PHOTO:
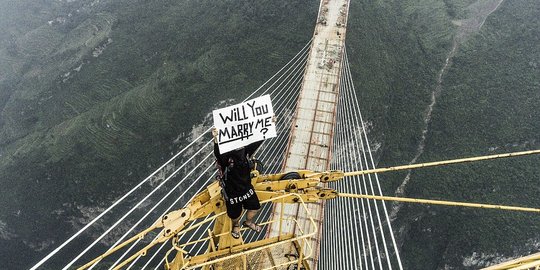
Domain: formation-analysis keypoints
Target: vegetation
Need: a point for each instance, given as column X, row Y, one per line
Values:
column 396, row 50
column 488, row 106
column 94, row 95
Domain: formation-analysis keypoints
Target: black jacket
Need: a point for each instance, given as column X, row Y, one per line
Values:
column 238, row 179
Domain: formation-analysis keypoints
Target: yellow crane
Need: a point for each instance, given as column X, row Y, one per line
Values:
column 225, row 252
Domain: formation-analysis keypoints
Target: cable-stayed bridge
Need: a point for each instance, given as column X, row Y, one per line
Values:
column 320, row 128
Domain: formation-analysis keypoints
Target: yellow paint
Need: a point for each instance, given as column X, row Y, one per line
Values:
column 439, row 202
column 209, row 205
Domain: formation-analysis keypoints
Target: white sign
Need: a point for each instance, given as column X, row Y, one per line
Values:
column 244, row 123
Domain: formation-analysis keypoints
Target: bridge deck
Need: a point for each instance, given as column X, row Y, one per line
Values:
column 310, row 141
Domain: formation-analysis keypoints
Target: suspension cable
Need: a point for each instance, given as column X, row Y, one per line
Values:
column 440, row 202
column 295, row 59
column 445, row 162
column 287, row 98
column 355, row 111
column 196, row 232
column 291, row 82
column 355, row 149
column 371, row 205
column 79, row 232
column 161, row 201
column 337, row 230
column 364, row 131
column 304, row 48
column 125, row 215
column 351, row 161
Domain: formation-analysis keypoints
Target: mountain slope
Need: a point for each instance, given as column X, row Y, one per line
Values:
column 94, row 94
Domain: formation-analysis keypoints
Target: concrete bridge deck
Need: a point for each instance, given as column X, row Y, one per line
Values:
column 310, row 142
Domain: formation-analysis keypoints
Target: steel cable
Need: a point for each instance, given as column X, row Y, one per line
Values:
column 302, row 52
column 360, row 122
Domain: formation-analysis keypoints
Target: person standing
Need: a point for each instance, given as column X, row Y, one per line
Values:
column 237, row 190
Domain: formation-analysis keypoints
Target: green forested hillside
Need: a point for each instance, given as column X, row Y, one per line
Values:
column 489, row 105
column 95, row 95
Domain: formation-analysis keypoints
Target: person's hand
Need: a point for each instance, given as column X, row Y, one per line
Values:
column 215, row 134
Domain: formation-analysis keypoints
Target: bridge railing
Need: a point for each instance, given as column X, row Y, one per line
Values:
column 270, row 253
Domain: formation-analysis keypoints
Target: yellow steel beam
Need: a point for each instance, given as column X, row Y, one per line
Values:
column 243, row 249
column 526, row 262
column 278, row 176
column 271, row 187
column 445, row 162
column 237, row 250
column 141, row 252
column 120, row 246
column 203, row 204
column 532, row 265
column 327, row 176
column 439, row 202
column 287, row 185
